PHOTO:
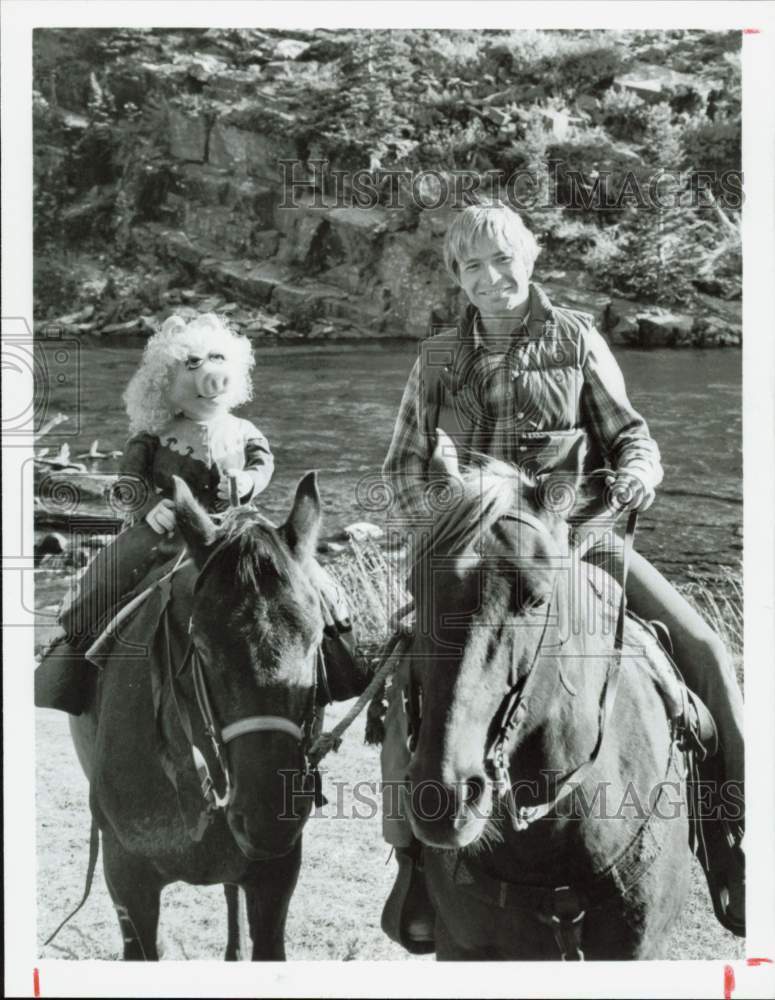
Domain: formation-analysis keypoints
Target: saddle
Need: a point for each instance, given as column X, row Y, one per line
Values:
column 715, row 824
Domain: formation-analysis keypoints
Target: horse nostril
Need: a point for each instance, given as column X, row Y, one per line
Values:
column 472, row 791
column 238, row 825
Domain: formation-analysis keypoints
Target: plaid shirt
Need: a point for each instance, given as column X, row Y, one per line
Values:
column 553, row 394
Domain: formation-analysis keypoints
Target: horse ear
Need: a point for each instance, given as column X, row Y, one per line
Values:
column 303, row 524
column 443, row 461
column 198, row 530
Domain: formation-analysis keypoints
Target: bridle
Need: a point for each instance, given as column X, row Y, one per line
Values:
column 562, row 908
column 219, row 737
column 515, row 706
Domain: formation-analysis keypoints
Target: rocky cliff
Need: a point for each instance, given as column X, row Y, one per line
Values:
column 206, row 153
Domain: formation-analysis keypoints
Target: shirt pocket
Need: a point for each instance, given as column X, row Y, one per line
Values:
column 545, row 399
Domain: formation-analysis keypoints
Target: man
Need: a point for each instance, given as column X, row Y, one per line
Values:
column 537, row 386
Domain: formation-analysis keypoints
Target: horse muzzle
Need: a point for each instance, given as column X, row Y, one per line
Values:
column 449, row 815
column 258, row 845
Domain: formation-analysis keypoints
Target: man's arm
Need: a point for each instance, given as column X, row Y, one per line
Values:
column 619, row 428
column 406, row 464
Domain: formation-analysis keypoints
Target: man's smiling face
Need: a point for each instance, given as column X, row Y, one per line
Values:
column 494, row 277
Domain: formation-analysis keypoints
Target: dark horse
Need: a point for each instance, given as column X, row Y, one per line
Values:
column 512, row 688
column 247, row 611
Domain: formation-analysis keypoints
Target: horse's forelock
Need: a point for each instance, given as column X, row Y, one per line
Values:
column 262, row 554
column 252, row 549
column 490, row 490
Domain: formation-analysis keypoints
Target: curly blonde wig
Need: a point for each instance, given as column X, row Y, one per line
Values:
column 147, row 395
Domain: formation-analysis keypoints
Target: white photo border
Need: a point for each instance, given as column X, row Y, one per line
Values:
column 363, row 978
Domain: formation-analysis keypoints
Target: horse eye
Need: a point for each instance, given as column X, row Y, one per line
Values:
column 525, row 598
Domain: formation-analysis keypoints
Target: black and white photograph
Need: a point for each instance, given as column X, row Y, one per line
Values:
column 383, row 585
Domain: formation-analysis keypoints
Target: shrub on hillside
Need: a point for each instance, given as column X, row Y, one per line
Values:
column 54, row 289
column 713, row 146
column 623, row 114
column 593, row 174
column 590, row 69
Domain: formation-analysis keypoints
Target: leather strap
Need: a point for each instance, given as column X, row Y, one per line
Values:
column 261, row 724
column 614, row 880
column 94, row 850
column 529, row 814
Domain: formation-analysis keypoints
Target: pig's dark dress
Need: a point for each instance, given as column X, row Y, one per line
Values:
column 197, row 452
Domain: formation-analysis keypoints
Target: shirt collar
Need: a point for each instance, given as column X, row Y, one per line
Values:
column 539, row 313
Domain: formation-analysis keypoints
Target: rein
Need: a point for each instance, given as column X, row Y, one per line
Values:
column 220, row 736
column 517, row 702
column 562, row 908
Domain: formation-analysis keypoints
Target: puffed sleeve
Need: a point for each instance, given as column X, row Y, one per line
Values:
column 133, row 492
column 259, row 462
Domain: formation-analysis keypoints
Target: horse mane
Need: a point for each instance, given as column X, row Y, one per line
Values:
column 486, row 492
column 252, row 549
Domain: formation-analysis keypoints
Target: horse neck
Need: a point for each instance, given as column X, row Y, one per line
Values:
column 561, row 731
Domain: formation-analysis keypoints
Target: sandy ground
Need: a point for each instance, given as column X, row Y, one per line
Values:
column 335, row 911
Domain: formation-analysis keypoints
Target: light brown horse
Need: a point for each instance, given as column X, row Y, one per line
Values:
column 533, row 853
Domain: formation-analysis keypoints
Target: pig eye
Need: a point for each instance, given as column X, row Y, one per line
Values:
column 217, row 357
column 193, row 362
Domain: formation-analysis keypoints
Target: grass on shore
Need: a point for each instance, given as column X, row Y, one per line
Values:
column 375, row 585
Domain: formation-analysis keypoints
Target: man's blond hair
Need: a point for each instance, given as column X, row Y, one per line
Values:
column 497, row 220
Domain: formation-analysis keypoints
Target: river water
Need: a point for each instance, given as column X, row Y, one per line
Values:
column 332, row 408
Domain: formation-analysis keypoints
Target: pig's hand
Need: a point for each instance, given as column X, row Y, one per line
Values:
column 244, row 485
column 162, row 517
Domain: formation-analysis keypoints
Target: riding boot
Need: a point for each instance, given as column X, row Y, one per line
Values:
column 408, row 917
column 63, row 678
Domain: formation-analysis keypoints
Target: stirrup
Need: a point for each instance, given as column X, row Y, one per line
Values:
column 727, row 869
column 408, row 908
column 716, row 840
column 697, row 731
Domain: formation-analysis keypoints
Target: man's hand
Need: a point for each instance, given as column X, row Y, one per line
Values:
column 244, row 484
column 626, row 491
column 162, row 517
